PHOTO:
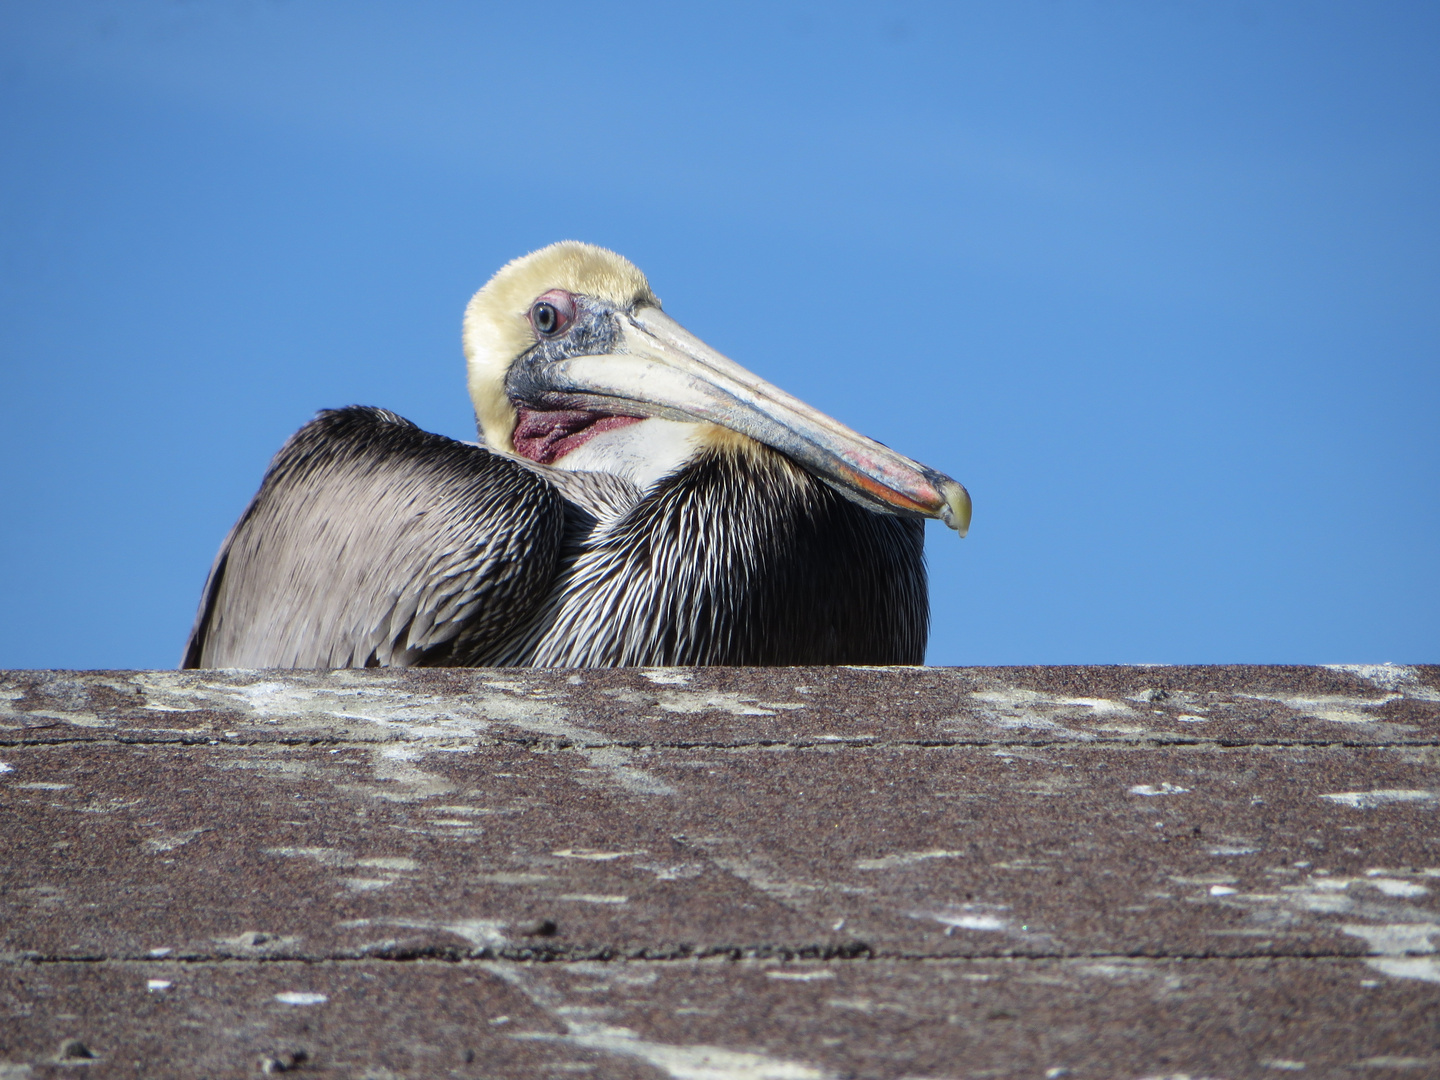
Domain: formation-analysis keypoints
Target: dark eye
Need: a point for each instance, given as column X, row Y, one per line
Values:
column 552, row 313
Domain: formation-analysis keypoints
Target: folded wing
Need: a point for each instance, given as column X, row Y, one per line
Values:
column 374, row 543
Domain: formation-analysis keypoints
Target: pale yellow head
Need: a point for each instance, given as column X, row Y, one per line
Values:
column 657, row 373
column 497, row 328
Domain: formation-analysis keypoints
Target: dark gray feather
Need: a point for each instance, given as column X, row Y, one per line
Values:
column 372, row 542
column 738, row 558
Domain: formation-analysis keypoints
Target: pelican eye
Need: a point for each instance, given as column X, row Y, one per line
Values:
column 552, row 313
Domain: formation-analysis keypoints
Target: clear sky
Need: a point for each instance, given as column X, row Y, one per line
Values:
column 1159, row 282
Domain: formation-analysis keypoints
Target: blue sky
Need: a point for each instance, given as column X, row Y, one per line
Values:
column 1159, row 282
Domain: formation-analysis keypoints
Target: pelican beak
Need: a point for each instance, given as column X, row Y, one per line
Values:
column 658, row 368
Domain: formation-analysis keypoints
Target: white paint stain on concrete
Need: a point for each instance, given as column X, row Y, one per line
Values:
column 689, row 702
column 869, row 1006
column 370, row 708
column 1395, row 887
column 398, row 864
column 585, row 1028
column 1369, row 800
column 687, row 1062
column 1031, row 866
column 482, row 933
column 1396, row 939
column 1014, row 709
column 398, row 779
column 1400, row 937
column 1029, row 700
column 1414, row 871
column 477, row 811
column 159, row 844
column 1332, row 708
column 614, row 763
column 1395, row 678
column 392, row 867
column 1396, row 1061
column 300, row 997
column 343, row 698
column 906, row 858
column 1203, row 879
column 359, row 884
column 673, row 871
column 506, row 877
column 1403, row 949
column 324, row 856
column 417, row 715
column 1121, row 969
column 593, row 855
column 64, row 691
column 1422, row 968
column 260, row 941
column 1156, row 695
column 1163, row 788
column 762, row 873
column 1324, row 894
column 1395, row 682
column 981, row 917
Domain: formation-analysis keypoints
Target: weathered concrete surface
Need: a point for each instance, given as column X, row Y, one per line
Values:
column 713, row 1019
column 734, row 873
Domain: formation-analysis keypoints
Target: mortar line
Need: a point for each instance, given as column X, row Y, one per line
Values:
column 717, row 954
column 558, row 745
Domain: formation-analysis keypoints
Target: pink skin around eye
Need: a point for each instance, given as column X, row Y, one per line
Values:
column 564, row 305
column 547, row 435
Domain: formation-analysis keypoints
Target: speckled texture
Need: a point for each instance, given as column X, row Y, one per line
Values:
column 731, row 873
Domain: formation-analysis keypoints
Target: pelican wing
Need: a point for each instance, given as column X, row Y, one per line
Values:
column 374, row 543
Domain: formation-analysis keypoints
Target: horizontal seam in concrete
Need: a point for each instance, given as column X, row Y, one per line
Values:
column 615, row 956
column 819, row 744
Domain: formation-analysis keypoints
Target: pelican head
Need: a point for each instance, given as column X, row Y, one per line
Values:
column 572, row 363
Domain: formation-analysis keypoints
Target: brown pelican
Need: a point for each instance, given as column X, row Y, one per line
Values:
column 637, row 498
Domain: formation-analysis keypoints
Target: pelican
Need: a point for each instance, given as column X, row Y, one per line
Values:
column 636, row 498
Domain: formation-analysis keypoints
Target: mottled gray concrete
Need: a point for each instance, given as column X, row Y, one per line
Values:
column 760, row 873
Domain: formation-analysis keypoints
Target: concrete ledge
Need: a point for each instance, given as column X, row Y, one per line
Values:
column 1080, row 872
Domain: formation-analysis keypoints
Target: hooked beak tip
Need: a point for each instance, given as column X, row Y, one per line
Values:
column 956, row 511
